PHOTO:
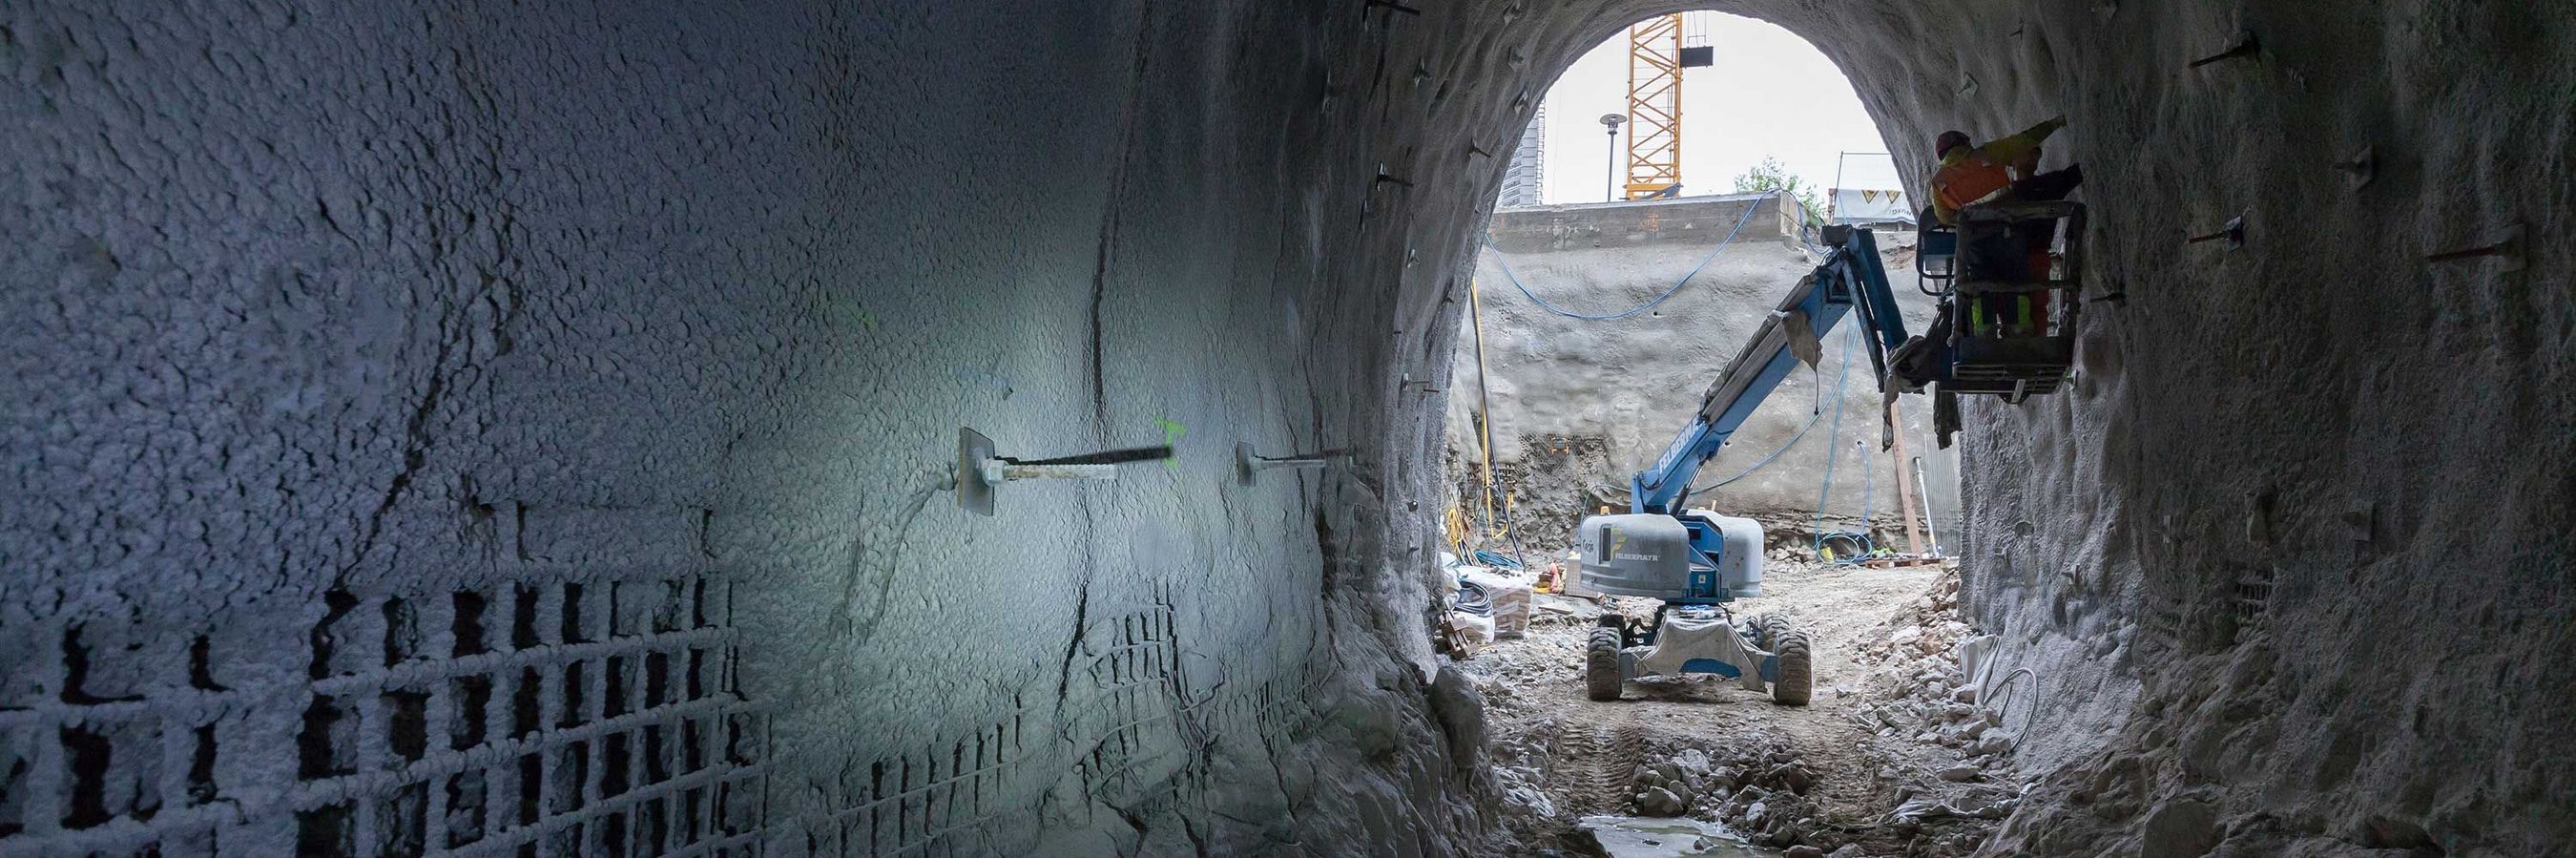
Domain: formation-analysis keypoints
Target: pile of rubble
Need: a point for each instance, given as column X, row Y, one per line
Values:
column 1764, row 795
column 1761, row 791
column 1921, row 688
column 1925, row 691
column 1768, row 796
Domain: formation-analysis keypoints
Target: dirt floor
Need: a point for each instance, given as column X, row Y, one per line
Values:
column 1889, row 759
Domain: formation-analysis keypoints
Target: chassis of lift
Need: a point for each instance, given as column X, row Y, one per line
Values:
column 1767, row 654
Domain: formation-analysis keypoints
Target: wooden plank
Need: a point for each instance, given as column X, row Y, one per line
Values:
column 1904, row 487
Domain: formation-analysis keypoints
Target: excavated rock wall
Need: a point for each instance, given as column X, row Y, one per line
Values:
column 433, row 423
column 2287, row 564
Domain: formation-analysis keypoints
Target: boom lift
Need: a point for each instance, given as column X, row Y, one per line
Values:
column 2007, row 282
column 1697, row 561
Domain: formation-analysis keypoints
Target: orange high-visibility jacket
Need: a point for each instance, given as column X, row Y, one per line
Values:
column 1972, row 174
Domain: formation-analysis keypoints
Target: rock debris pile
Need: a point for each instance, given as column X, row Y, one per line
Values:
column 1919, row 693
column 1900, row 758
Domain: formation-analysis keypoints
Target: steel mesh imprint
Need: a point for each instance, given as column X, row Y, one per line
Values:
column 593, row 718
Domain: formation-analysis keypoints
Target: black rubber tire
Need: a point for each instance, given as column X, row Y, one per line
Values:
column 1617, row 624
column 1601, row 679
column 1767, row 630
column 1797, row 670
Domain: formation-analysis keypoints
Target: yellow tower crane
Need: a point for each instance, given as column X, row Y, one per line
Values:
column 1655, row 107
column 1657, row 57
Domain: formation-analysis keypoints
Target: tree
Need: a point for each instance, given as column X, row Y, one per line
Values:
column 1771, row 175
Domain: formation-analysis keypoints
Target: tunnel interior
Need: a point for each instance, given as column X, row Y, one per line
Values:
column 441, row 427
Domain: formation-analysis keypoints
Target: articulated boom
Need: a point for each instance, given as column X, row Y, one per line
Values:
column 1696, row 561
column 1659, row 550
column 1851, row 276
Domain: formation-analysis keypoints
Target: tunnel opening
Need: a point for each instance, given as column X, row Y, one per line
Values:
column 1570, row 291
column 344, row 331
column 1595, row 330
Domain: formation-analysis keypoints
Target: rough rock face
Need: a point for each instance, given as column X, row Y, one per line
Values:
column 2311, row 495
column 434, row 423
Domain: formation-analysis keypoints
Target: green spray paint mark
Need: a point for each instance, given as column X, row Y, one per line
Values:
column 1172, row 432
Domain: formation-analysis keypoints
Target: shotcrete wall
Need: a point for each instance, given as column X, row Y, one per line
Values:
column 451, row 425
column 1579, row 405
column 439, row 424
column 2286, row 568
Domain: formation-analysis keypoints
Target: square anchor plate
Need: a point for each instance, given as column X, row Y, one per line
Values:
column 973, row 449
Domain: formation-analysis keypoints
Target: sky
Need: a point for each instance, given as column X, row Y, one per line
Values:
column 1771, row 93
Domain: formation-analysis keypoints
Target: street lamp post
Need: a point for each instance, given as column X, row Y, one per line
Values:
column 1610, row 182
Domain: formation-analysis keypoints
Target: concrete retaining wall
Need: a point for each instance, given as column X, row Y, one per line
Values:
column 1580, row 403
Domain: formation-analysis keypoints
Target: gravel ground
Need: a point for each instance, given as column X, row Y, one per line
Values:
column 1890, row 758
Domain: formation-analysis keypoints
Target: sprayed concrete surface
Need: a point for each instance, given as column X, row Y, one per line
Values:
column 435, row 425
column 1579, row 405
column 438, row 425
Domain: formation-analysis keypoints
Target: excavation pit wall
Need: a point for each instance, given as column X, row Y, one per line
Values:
column 343, row 337
column 1579, row 405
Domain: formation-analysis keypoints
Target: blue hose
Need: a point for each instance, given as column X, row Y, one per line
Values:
column 1833, row 447
column 1833, row 450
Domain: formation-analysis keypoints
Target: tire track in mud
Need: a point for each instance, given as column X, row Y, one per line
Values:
column 1595, row 764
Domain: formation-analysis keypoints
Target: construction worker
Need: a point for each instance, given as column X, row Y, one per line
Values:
column 2036, row 238
column 1977, row 174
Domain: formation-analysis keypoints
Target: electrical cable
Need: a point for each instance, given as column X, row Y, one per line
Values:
column 1859, row 546
column 1985, row 695
column 1868, row 487
column 1815, row 412
column 1833, row 449
column 1868, row 494
column 1860, row 542
column 1512, row 527
column 1472, row 599
column 1485, row 420
column 1508, row 274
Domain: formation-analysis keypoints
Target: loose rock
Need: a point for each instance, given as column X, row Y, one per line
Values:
column 1995, row 743
column 1658, row 801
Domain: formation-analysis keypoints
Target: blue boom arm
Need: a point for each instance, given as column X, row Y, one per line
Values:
column 1851, row 277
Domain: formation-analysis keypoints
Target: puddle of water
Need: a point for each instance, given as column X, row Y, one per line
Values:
column 1644, row 837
